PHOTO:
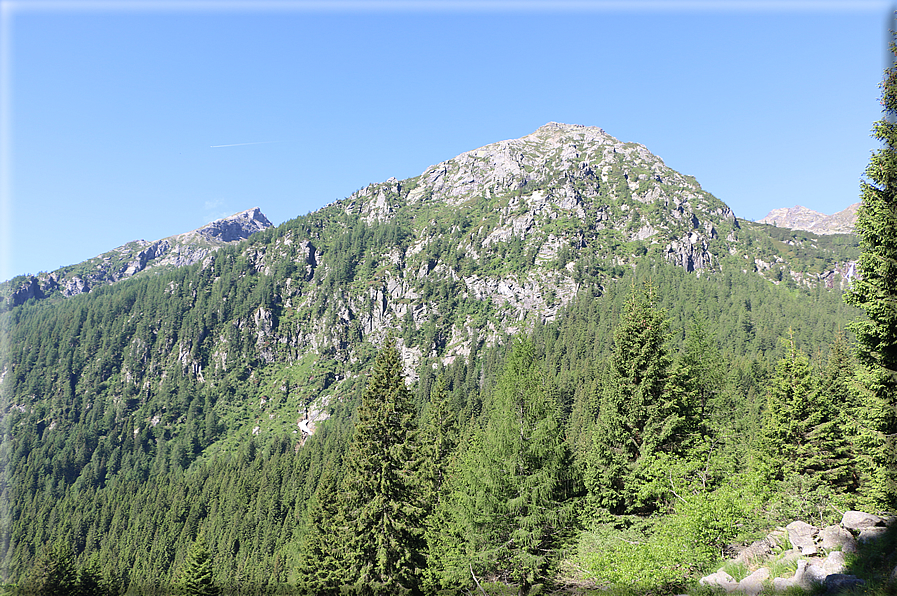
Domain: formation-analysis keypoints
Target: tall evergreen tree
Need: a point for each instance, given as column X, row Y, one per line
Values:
column 790, row 416
column 837, row 464
column 803, row 426
column 320, row 569
column 53, row 573
column 195, row 577
column 700, row 373
column 381, row 497
column 875, row 291
column 637, row 415
column 439, row 437
column 508, row 507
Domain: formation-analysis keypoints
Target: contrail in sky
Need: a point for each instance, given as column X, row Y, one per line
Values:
column 239, row 144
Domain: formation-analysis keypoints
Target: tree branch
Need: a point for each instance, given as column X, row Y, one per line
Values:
column 476, row 580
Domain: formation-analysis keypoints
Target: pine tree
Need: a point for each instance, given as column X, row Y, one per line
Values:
column 637, row 415
column 381, row 497
column 53, row 573
column 508, row 507
column 195, row 577
column 790, row 416
column 439, row 437
column 320, row 569
column 875, row 291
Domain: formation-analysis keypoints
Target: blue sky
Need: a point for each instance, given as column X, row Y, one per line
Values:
column 114, row 113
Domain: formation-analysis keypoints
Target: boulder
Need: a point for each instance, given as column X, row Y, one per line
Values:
column 777, row 538
column 857, row 520
column 805, row 577
column 753, row 584
column 801, row 535
column 837, row 538
column 720, row 579
column 757, row 551
column 837, row 583
column 782, row 583
column 834, row 563
column 815, row 572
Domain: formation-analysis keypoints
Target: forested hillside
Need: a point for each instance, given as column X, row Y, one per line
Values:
column 508, row 370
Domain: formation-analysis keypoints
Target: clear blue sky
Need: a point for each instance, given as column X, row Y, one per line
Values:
column 112, row 111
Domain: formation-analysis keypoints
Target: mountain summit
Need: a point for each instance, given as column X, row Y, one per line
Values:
column 801, row 218
column 226, row 367
column 132, row 258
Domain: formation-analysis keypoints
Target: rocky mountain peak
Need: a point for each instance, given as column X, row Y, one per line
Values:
column 132, row 258
column 235, row 227
column 802, row 218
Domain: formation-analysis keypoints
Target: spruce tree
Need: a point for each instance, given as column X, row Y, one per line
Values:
column 90, row 580
column 195, row 577
column 508, row 508
column 53, row 573
column 700, row 374
column 837, row 464
column 875, row 291
column 806, row 419
column 637, row 415
column 320, row 570
column 439, row 437
column 381, row 496
column 790, row 416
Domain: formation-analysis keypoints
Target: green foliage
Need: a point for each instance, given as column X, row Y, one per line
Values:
column 667, row 552
column 439, row 438
column 54, row 573
column 637, row 416
column 148, row 413
column 320, row 570
column 507, row 504
column 381, row 508
column 875, row 291
column 790, row 417
column 196, row 574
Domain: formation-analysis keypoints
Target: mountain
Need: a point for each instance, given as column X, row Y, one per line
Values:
column 801, row 218
column 137, row 256
column 206, row 398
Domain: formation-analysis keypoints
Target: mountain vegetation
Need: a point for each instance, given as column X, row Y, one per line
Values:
column 552, row 362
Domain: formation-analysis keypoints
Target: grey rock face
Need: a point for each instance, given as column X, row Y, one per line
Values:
column 836, row 537
column 239, row 226
column 857, row 520
column 801, row 218
column 28, row 290
column 801, row 535
column 128, row 260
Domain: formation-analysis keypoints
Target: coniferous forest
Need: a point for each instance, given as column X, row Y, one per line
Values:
column 627, row 444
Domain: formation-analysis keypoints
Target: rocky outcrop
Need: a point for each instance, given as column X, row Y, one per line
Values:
column 801, row 218
column 132, row 258
column 816, row 556
column 690, row 252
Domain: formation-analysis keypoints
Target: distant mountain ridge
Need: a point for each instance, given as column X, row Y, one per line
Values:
column 802, row 218
column 229, row 365
column 137, row 256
